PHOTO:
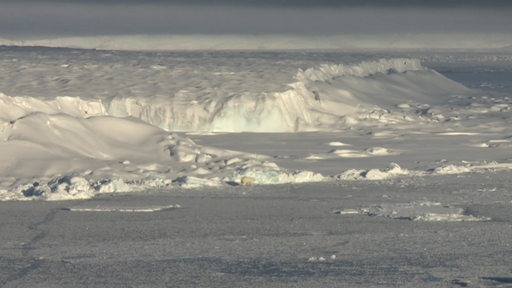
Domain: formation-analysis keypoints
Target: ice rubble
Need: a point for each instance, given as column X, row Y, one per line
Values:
column 393, row 170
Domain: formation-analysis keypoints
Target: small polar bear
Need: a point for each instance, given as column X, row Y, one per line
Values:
column 247, row 181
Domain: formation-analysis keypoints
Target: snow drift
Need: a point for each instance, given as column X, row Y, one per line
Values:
column 59, row 156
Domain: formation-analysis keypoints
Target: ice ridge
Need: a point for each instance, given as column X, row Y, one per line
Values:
column 323, row 98
column 367, row 68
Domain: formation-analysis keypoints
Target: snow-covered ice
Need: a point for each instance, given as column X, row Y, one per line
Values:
column 255, row 168
column 75, row 123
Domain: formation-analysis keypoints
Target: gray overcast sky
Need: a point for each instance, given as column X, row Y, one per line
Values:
column 309, row 3
column 31, row 18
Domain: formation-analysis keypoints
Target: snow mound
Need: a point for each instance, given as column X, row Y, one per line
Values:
column 274, row 175
column 338, row 144
column 60, row 157
column 379, row 151
column 451, row 169
column 84, row 187
column 470, row 166
column 68, row 188
column 352, row 153
column 192, row 182
column 393, row 170
column 497, row 143
column 265, row 173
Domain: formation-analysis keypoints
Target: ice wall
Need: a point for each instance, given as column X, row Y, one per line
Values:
column 323, row 98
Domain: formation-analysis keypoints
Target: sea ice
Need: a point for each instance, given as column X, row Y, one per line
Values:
column 63, row 138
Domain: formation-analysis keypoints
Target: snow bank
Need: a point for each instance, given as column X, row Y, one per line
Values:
column 59, row 156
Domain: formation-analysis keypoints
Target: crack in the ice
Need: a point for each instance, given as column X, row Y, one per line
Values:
column 35, row 262
column 26, row 247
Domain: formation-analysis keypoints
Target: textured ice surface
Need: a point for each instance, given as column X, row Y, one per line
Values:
column 75, row 123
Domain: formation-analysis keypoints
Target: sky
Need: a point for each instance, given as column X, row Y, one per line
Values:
column 288, row 3
column 62, row 18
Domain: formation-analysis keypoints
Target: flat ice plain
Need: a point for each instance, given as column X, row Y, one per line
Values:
column 372, row 169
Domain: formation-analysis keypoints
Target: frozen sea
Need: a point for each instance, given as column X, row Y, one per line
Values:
column 367, row 169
